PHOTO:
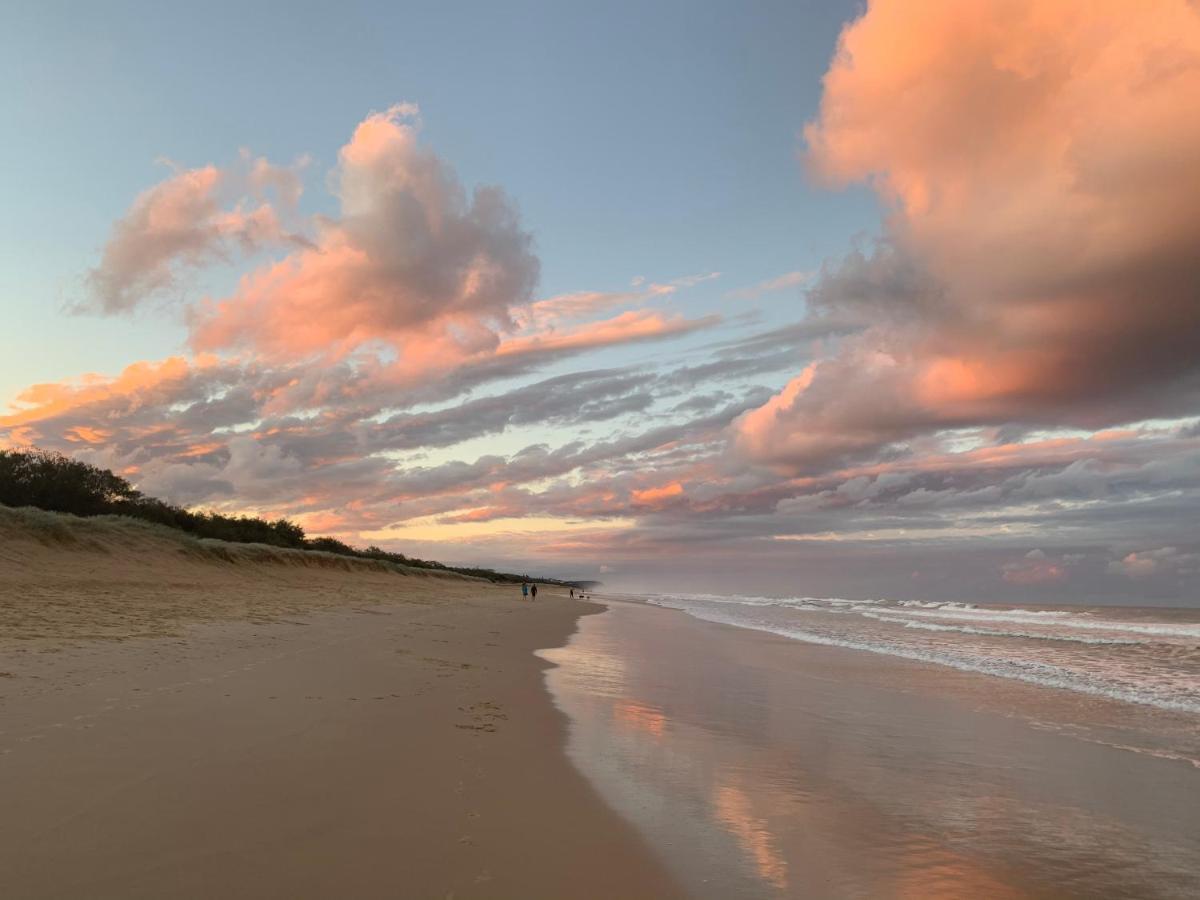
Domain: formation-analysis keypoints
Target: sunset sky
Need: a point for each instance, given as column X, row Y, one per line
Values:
column 890, row 299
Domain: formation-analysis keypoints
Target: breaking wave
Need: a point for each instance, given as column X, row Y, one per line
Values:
column 1147, row 657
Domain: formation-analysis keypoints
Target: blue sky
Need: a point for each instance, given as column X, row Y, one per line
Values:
column 658, row 140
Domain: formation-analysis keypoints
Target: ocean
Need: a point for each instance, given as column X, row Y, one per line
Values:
column 1141, row 655
column 823, row 747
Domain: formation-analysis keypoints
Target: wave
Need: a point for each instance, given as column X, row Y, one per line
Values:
column 1057, row 619
column 994, row 632
column 1043, row 674
column 966, row 612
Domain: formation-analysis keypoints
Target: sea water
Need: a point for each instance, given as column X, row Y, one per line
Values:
column 1138, row 655
column 829, row 747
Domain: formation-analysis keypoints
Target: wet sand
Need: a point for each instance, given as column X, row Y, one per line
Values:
column 759, row 766
column 331, row 733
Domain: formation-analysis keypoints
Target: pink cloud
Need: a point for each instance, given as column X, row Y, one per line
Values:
column 412, row 259
column 635, row 325
column 1164, row 560
column 548, row 313
column 195, row 217
column 1035, row 568
column 1039, row 163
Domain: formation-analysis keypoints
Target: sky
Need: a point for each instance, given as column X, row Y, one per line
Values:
column 896, row 299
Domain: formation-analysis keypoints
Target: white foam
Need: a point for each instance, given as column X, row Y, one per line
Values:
column 1058, row 619
column 1170, row 697
column 962, row 612
column 995, row 632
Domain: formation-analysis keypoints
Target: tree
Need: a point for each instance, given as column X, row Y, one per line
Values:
column 56, row 482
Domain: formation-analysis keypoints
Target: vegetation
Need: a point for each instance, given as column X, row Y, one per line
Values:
column 55, row 482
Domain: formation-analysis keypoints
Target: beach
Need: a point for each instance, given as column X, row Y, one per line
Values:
column 194, row 720
column 175, row 726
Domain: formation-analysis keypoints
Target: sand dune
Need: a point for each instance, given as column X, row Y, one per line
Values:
column 66, row 578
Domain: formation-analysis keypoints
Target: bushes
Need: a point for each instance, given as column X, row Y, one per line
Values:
column 58, row 483
column 333, row 545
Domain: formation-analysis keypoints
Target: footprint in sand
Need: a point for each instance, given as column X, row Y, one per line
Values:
column 446, row 663
column 484, row 716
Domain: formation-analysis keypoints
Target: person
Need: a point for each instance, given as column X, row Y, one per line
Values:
column 525, row 589
column 572, row 593
column 533, row 591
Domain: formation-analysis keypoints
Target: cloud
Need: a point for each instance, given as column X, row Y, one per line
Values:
column 770, row 286
column 693, row 280
column 655, row 496
column 1035, row 568
column 413, row 261
column 300, row 381
column 565, row 400
column 1039, row 165
column 632, row 326
column 344, row 383
column 1144, row 563
column 546, row 314
column 190, row 220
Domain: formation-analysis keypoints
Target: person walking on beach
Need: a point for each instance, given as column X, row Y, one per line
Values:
column 533, row 591
column 525, row 589
column 572, row 593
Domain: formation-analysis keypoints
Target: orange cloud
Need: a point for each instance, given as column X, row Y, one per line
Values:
column 548, row 313
column 88, row 435
column 139, row 382
column 629, row 326
column 656, row 495
column 412, row 260
column 1040, row 165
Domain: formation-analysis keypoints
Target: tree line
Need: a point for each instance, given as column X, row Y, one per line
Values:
column 55, row 482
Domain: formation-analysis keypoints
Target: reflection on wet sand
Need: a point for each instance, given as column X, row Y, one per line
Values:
column 733, row 808
column 934, row 873
column 631, row 714
column 759, row 767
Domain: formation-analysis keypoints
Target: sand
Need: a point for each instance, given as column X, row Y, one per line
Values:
column 192, row 720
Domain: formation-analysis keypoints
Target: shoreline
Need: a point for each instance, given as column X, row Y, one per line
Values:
column 759, row 765
column 338, row 747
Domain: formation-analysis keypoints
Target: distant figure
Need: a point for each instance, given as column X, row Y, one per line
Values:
column 533, row 590
column 572, row 593
column 525, row 589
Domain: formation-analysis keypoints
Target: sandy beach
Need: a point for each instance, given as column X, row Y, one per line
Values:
column 195, row 720
column 188, row 721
